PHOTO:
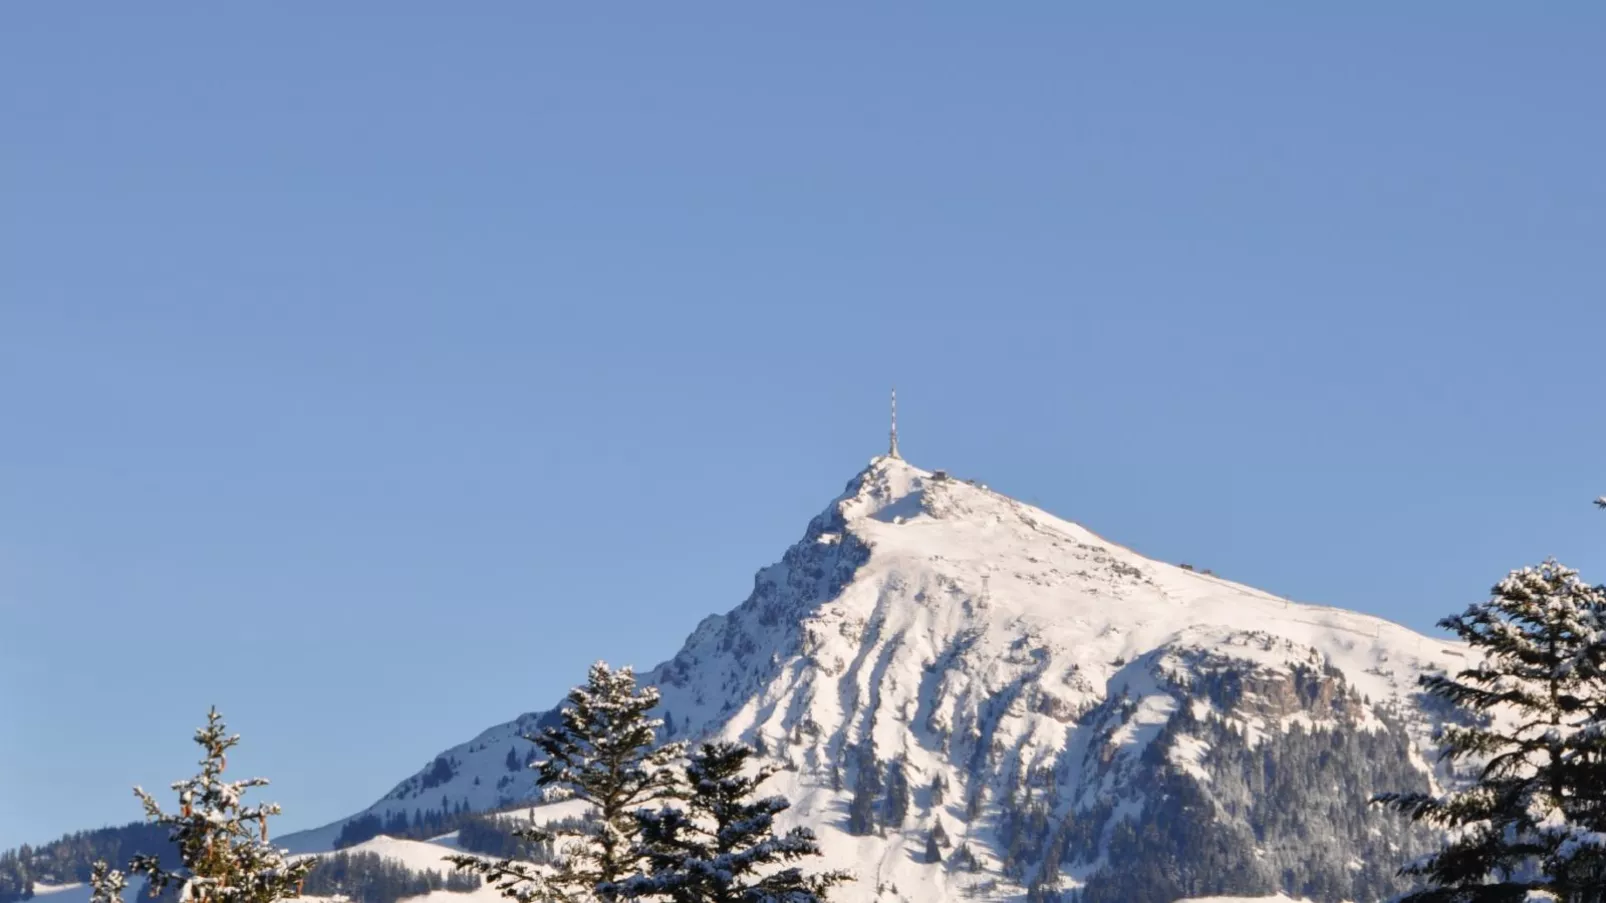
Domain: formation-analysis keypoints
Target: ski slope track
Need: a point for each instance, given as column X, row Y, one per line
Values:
column 1084, row 721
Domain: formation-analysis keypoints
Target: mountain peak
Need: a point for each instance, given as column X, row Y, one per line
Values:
column 887, row 484
column 987, row 646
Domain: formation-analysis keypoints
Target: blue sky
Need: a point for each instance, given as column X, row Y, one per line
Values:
column 369, row 372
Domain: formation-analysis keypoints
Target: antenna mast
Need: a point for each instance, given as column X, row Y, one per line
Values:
column 892, row 452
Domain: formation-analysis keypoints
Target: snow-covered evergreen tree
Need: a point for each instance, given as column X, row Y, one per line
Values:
column 604, row 752
column 1531, row 822
column 222, row 843
column 106, row 884
column 723, row 846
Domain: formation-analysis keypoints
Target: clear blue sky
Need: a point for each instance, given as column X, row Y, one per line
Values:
column 367, row 372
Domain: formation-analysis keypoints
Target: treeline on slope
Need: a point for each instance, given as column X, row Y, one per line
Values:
column 368, row 877
column 69, row 858
column 510, row 838
column 424, row 824
column 500, row 832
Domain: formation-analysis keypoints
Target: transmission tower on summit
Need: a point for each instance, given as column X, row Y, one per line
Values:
column 892, row 452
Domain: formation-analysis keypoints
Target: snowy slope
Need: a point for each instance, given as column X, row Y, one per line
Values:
column 417, row 855
column 79, row 893
column 1008, row 654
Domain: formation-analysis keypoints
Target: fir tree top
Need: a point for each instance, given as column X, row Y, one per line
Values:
column 223, row 843
column 1534, row 706
column 603, row 752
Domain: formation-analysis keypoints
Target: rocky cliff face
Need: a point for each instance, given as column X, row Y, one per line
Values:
column 945, row 671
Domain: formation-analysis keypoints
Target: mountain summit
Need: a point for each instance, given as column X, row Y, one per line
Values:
column 971, row 696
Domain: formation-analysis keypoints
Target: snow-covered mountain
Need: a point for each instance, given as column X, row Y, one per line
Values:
column 1078, row 719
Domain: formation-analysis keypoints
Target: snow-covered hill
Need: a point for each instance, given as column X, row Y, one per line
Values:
column 1078, row 718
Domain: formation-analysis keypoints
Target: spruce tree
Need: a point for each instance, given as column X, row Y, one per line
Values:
column 602, row 752
column 895, row 808
column 223, row 845
column 1533, row 724
column 723, row 847
column 867, row 787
